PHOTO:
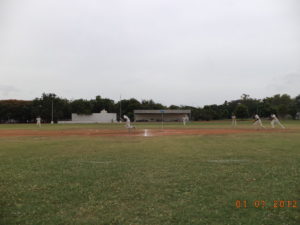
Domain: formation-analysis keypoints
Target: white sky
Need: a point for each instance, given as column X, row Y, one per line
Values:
column 189, row 52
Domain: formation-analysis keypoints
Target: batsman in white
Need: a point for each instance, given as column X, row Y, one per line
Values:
column 38, row 121
column 275, row 120
column 128, row 125
column 258, row 122
column 233, row 118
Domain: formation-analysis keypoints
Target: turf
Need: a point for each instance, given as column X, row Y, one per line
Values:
column 194, row 179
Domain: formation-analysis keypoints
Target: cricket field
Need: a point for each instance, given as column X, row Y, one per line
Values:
column 201, row 173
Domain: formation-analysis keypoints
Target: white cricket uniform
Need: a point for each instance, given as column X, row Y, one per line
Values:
column 184, row 120
column 258, row 122
column 275, row 120
column 128, row 125
column 233, row 118
column 38, row 121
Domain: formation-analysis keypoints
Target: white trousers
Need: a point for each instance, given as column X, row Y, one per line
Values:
column 258, row 123
column 233, row 123
column 276, row 121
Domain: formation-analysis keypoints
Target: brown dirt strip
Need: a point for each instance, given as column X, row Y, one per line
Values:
column 137, row 132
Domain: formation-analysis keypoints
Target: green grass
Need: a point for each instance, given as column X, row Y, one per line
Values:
column 242, row 124
column 155, row 180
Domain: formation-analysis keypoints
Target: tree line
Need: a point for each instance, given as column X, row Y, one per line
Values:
column 20, row 111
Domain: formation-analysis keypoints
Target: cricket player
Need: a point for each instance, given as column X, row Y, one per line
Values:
column 233, row 118
column 258, row 122
column 128, row 125
column 275, row 120
column 38, row 121
column 185, row 119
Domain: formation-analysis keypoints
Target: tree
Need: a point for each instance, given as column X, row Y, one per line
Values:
column 241, row 111
column 81, row 106
column 23, row 111
column 150, row 104
column 15, row 111
column 297, row 103
column 98, row 104
column 128, row 106
column 43, row 107
column 174, row 107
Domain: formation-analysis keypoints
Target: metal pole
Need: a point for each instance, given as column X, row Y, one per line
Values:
column 120, row 107
column 52, row 112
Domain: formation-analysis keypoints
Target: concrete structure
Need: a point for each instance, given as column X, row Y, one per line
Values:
column 102, row 117
column 297, row 116
column 157, row 115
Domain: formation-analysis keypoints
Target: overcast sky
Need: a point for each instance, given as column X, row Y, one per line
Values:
column 189, row 52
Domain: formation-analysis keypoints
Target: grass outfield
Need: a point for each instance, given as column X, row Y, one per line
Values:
column 245, row 124
column 187, row 179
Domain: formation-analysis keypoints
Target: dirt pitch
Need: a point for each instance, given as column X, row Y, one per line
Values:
column 133, row 132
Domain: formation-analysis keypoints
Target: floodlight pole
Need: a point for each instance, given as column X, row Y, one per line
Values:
column 120, row 107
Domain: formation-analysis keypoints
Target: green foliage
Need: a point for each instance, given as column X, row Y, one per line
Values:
column 15, row 110
column 241, row 111
column 23, row 111
column 43, row 107
column 81, row 106
column 98, row 104
column 150, row 104
column 297, row 103
column 174, row 107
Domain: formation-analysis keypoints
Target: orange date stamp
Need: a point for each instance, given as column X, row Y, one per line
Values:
column 239, row 204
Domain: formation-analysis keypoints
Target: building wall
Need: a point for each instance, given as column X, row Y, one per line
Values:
column 95, row 117
column 102, row 117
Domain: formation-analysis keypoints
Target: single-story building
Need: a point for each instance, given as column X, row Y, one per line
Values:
column 102, row 117
column 167, row 115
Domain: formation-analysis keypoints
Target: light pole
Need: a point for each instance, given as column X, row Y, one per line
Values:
column 120, row 108
column 52, row 112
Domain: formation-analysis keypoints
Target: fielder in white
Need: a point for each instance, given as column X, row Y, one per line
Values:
column 38, row 121
column 258, row 122
column 128, row 125
column 275, row 120
column 233, row 118
column 185, row 119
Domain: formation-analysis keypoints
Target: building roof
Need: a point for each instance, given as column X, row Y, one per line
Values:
column 165, row 111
